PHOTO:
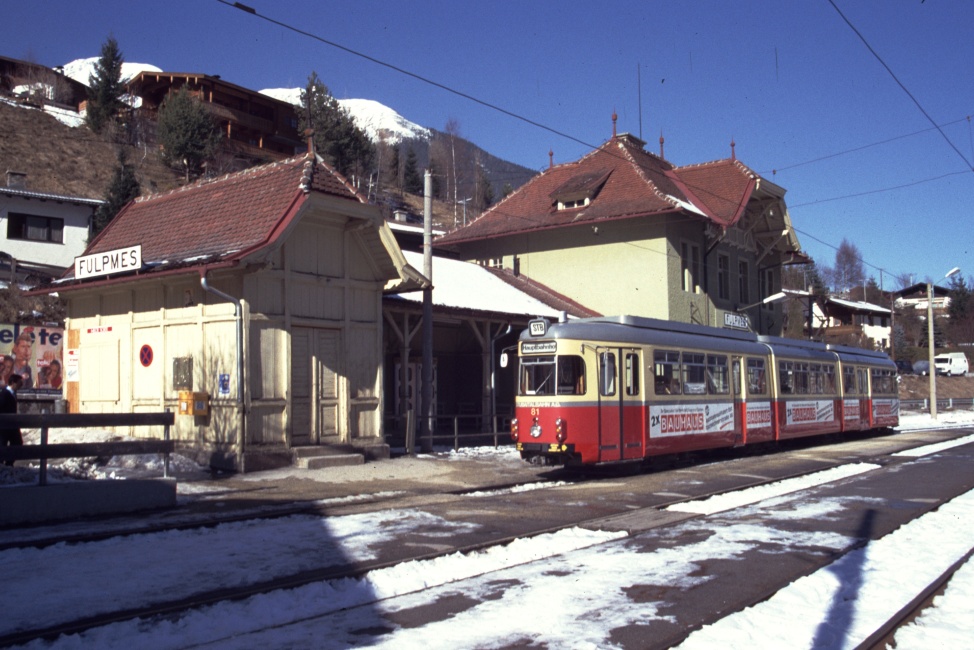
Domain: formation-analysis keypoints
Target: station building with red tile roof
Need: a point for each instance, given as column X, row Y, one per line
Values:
column 262, row 289
column 624, row 231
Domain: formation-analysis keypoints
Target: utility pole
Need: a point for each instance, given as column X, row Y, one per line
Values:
column 426, row 416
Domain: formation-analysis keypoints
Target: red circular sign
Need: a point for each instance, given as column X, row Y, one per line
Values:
column 145, row 356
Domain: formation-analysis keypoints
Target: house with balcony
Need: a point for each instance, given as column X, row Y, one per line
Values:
column 255, row 125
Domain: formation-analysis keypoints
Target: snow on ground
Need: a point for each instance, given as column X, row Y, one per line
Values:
column 508, row 588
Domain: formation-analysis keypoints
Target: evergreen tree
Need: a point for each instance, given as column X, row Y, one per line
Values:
column 105, row 87
column 336, row 137
column 395, row 169
column 485, row 193
column 412, row 182
column 187, row 133
column 123, row 188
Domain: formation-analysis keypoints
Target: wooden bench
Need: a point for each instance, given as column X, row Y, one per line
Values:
column 45, row 451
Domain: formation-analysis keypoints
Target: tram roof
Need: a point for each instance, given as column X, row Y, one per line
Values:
column 653, row 331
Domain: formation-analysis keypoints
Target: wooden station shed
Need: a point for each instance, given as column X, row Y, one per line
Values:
column 250, row 304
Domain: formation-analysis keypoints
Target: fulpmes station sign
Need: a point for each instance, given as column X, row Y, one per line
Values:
column 121, row 260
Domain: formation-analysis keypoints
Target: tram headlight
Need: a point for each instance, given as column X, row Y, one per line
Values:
column 535, row 429
column 514, row 429
column 561, row 430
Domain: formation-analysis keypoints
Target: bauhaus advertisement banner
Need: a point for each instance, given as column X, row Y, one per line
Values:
column 690, row 419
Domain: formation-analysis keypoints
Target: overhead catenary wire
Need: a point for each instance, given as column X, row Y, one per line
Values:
column 537, row 124
column 901, row 85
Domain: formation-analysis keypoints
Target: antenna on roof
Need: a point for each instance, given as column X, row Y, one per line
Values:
column 733, row 155
column 661, row 145
column 551, row 159
column 614, row 118
column 639, row 92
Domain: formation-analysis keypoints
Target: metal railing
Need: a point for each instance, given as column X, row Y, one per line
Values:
column 463, row 428
column 949, row 403
column 46, row 450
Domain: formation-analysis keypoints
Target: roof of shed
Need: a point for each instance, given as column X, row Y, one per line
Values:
column 223, row 219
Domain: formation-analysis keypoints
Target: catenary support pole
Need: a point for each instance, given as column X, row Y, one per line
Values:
column 426, row 421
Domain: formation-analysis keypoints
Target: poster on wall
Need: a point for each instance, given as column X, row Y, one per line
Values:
column 34, row 352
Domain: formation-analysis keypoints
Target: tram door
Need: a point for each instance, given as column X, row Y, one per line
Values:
column 737, row 385
column 621, row 423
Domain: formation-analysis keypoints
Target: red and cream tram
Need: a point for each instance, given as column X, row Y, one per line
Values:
column 602, row 390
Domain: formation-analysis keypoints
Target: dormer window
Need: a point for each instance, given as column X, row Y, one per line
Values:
column 579, row 191
column 577, row 203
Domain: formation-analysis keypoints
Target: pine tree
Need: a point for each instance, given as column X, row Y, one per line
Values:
column 395, row 169
column 187, row 133
column 412, row 182
column 339, row 141
column 105, row 87
column 123, row 188
column 485, row 192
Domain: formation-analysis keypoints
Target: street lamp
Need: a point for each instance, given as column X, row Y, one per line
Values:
column 930, row 344
column 781, row 295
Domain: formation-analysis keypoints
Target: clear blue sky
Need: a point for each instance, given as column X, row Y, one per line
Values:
column 790, row 82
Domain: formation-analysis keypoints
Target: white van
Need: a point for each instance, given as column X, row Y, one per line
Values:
column 951, row 363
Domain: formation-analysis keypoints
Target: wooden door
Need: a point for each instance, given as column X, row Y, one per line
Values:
column 315, row 365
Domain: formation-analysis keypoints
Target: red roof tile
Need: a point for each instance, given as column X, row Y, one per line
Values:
column 637, row 183
column 219, row 219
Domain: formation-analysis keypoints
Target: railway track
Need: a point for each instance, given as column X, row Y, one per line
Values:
column 355, row 570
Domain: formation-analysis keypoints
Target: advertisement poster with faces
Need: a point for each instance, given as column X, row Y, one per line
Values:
column 35, row 352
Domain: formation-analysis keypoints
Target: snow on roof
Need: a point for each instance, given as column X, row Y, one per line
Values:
column 863, row 306
column 464, row 285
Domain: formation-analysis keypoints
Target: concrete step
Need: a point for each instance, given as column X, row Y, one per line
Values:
column 329, row 460
column 312, row 451
column 319, row 456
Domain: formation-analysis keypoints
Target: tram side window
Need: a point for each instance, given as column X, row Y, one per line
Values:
column 757, row 381
column 786, row 375
column 801, row 378
column 862, row 377
column 607, row 373
column 632, row 373
column 666, row 370
column 537, row 376
column 829, row 372
column 816, row 382
column 884, row 382
column 717, row 375
column 571, row 375
column 694, row 374
column 849, row 386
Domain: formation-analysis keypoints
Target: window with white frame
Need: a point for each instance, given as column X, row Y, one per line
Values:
column 34, row 228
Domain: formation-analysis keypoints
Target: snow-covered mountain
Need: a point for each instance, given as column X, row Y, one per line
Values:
column 81, row 69
column 369, row 115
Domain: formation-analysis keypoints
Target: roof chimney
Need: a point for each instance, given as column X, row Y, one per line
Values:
column 614, row 118
column 16, row 180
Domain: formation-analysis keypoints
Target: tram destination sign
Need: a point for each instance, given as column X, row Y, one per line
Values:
column 120, row 260
column 540, row 347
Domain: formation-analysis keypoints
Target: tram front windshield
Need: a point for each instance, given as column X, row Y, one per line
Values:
column 551, row 375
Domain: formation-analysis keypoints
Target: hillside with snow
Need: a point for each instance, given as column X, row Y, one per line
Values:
column 369, row 115
column 81, row 69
